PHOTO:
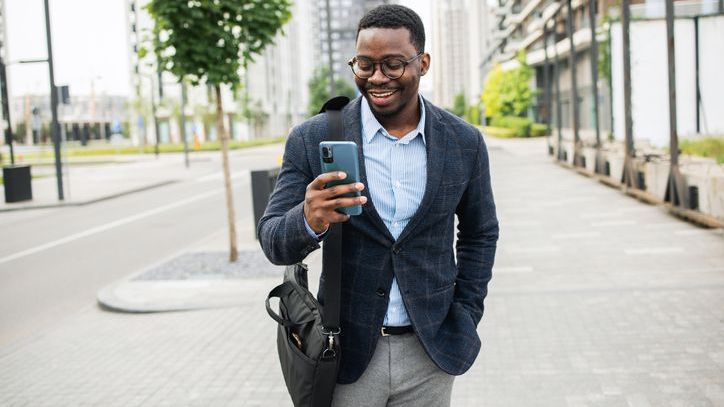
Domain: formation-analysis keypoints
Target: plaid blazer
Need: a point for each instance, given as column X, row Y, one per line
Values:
column 443, row 291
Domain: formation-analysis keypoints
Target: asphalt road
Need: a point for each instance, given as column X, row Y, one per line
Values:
column 53, row 261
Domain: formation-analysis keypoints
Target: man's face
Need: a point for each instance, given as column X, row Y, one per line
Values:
column 389, row 97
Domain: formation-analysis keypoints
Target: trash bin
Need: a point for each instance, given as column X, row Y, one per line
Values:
column 262, row 185
column 17, row 183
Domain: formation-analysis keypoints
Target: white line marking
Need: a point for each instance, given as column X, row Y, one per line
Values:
column 654, row 250
column 107, row 226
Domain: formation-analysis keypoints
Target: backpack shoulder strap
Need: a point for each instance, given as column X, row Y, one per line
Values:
column 332, row 251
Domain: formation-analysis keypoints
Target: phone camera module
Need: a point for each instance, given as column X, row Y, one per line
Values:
column 327, row 155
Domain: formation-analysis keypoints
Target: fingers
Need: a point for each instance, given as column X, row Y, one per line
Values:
column 321, row 204
column 344, row 202
column 338, row 190
column 322, row 180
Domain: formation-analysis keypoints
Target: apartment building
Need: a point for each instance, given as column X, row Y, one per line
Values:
column 541, row 28
column 338, row 33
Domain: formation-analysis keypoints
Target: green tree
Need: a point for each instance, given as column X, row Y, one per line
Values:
column 508, row 93
column 492, row 92
column 459, row 105
column 209, row 41
column 319, row 89
column 518, row 95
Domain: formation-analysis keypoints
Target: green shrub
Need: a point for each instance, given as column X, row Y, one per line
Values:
column 712, row 147
column 537, row 130
column 498, row 132
column 520, row 125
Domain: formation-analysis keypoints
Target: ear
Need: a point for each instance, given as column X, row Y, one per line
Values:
column 424, row 64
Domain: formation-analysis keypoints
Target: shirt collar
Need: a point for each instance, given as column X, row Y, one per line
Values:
column 371, row 127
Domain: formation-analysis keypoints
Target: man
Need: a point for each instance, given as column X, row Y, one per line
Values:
column 409, row 309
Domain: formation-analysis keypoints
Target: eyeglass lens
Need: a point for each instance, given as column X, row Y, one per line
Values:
column 392, row 68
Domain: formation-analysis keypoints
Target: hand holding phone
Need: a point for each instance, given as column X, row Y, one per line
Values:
column 334, row 195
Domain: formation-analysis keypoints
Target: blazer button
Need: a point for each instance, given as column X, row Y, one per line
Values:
column 396, row 249
column 380, row 292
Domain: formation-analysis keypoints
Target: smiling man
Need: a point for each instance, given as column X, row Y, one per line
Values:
column 411, row 297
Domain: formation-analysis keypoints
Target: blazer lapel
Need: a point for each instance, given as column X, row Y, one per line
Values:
column 436, row 141
column 353, row 132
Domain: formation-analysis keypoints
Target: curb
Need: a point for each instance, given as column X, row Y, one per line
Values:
column 181, row 295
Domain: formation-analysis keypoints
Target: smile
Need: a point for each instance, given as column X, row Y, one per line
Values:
column 381, row 94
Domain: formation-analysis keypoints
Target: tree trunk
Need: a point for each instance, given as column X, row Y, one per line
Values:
column 224, row 137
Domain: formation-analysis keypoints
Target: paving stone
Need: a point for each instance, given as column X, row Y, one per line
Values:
column 583, row 325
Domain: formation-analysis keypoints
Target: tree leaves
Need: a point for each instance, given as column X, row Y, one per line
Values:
column 508, row 93
column 210, row 40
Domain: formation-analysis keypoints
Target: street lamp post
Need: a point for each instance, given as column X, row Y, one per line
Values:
column 6, row 110
column 54, row 126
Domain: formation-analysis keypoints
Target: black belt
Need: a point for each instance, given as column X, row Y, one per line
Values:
column 396, row 330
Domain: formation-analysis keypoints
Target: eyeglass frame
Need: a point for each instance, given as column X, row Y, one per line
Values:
column 354, row 59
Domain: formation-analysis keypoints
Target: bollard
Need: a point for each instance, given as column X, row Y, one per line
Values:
column 262, row 185
column 694, row 197
column 641, row 180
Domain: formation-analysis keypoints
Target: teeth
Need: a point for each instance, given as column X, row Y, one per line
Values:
column 382, row 95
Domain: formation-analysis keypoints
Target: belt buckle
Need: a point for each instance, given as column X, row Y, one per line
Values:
column 384, row 331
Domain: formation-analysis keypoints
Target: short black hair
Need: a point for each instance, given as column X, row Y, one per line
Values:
column 395, row 16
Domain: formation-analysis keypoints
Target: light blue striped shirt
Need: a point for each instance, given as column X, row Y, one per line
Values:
column 396, row 175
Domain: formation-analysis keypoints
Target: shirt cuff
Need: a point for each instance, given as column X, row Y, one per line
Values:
column 314, row 234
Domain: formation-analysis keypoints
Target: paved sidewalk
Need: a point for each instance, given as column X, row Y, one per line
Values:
column 597, row 300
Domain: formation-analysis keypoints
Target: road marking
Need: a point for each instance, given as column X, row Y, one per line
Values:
column 654, row 250
column 108, row 226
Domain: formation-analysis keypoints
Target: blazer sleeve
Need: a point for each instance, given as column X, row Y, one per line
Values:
column 477, row 237
column 281, row 231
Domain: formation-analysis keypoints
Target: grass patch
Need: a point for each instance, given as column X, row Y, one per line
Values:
column 712, row 147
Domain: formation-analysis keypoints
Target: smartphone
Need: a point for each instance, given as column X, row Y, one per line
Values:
column 342, row 156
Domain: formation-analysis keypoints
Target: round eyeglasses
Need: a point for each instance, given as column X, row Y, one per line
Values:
column 393, row 68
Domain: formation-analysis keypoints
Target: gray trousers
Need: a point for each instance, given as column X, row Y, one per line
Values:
column 399, row 374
